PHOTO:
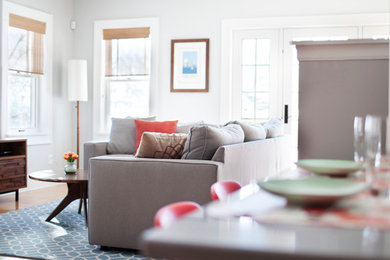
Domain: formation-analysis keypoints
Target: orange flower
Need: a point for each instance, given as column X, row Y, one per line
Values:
column 70, row 156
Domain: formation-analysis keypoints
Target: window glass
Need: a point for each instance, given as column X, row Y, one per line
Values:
column 17, row 50
column 21, row 101
column 128, row 98
column 255, row 71
column 128, row 57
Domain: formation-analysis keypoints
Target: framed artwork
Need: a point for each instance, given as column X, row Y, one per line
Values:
column 190, row 65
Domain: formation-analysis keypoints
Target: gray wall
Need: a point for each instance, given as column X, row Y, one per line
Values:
column 331, row 93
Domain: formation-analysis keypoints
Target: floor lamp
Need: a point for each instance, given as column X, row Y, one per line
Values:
column 77, row 90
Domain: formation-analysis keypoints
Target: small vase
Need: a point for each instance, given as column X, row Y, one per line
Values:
column 70, row 167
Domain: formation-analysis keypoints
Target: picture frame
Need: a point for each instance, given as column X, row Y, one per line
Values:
column 190, row 65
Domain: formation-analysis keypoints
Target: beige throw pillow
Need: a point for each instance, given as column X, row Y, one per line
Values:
column 161, row 145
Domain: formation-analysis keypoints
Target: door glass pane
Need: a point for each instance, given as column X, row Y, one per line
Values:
column 255, row 79
column 248, row 104
column 263, row 51
column 262, row 106
column 21, row 100
column 248, row 51
column 262, row 78
column 128, row 98
column 248, row 78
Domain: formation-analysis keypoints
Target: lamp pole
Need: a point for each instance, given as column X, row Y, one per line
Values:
column 78, row 133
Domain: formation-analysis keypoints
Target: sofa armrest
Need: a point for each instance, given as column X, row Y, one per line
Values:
column 125, row 193
column 254, row 160
column 92, row 149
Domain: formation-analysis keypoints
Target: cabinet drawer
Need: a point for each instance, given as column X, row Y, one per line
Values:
column 10, row 184
column 12, row 167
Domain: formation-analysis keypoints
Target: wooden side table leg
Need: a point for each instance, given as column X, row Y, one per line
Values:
column 73, row 194
column 17, row 195
column 84, row 199
column 81, row 203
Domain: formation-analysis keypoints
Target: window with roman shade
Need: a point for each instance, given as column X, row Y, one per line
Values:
column 26, row 44
column 26, row 82
column 127, row 71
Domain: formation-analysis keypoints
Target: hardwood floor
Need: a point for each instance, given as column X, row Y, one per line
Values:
column 32, row 198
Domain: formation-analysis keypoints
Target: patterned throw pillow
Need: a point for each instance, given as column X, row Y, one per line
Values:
column 161, row 145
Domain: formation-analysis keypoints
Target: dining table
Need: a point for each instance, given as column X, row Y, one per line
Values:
column 253, row 223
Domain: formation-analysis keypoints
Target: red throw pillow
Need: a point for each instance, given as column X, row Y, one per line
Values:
column 141, row 126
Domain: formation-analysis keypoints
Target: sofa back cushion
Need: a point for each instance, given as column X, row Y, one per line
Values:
column 123, row 135
column 161, row 145
column 204, row 140
column 273, row 127
column 252, row 132
column 185, row 128
column 168, row 127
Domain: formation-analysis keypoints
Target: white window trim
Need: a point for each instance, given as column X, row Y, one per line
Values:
column 98, row 67
column 44, row 136
column 231, row 25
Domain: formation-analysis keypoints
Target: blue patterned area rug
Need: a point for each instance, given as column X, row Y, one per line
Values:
column 26, row 233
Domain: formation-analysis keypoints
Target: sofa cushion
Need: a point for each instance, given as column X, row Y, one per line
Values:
column 142, row 126
column 204, row 140
column 252, row 132
column 273, row 127
column 161, row 145
column 186, row 127
column 123, row 135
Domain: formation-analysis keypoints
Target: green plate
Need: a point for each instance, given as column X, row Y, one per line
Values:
column 313, row 190
column 330, row 167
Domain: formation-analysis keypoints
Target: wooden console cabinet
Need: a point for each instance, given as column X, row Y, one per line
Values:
column 13, row 166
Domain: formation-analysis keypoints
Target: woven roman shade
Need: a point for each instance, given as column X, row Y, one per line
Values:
column 116, row 64
column 32, row 61
column 127, row 33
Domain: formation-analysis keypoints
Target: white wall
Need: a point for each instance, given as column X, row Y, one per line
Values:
column 181, row 19
column 64, row 139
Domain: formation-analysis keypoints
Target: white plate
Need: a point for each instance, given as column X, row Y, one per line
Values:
column 313, row 190
column 330, row 167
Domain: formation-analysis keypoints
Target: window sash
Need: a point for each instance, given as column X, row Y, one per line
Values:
column 33, row 102
column 143, row 105
column 35, row 43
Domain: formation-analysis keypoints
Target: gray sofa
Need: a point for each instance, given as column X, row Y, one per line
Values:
column 125, row 192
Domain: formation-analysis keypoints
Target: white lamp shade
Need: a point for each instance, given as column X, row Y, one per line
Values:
column 77, row 80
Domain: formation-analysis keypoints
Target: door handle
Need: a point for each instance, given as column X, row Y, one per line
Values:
column 286, row 114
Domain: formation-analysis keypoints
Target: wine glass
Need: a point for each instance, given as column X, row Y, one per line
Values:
column 372, row 141
column 358, row 139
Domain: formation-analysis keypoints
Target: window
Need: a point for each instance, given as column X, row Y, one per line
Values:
column 26, row 74
column 125, row 71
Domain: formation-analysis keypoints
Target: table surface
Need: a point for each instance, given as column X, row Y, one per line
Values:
column 59, row 176
column 223, row 230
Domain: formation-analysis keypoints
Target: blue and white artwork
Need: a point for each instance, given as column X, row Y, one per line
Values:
column 190, row 61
